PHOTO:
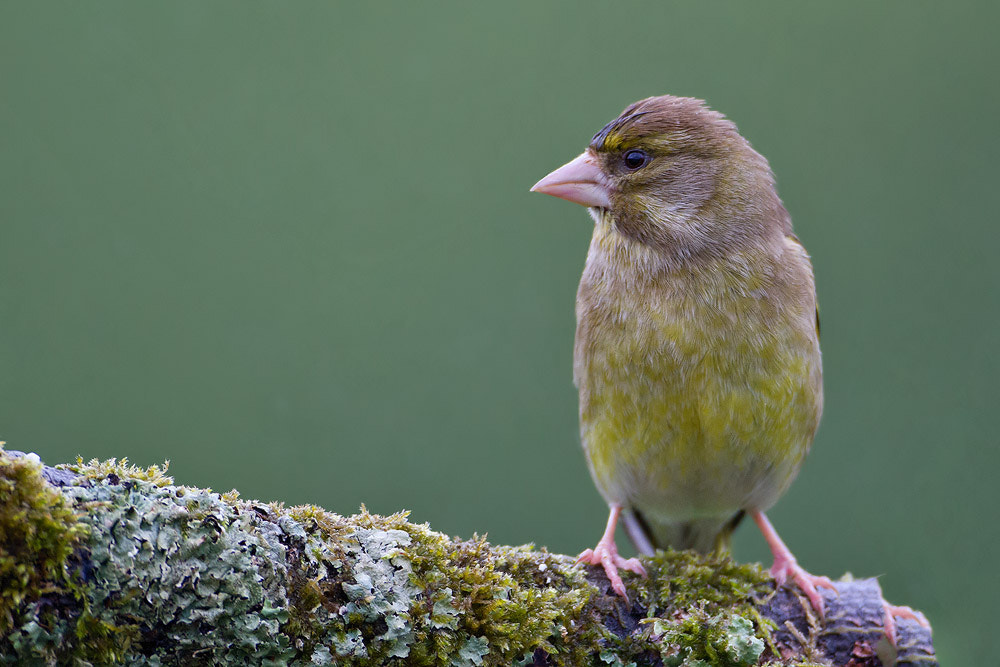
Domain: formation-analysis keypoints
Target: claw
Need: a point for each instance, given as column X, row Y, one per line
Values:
column 785, row 567
column 892, row 612
column 606, row 555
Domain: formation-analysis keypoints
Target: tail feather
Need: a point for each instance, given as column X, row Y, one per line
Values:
column 702, row 535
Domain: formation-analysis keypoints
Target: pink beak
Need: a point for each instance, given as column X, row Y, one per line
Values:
column 580, row 181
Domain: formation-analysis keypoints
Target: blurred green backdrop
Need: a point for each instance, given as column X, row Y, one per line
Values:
column 291, row 248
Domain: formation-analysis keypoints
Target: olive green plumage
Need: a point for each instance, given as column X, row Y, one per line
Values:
column 697, row 351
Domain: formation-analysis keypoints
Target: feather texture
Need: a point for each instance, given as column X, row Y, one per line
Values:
column 697, row 353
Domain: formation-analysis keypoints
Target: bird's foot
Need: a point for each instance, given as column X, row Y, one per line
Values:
column 785, row 568
column 606, row 555
column 892, row 612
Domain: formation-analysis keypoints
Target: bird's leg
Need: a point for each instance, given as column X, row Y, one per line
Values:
column 606, row 555
column 892, row 612
column 785, row 567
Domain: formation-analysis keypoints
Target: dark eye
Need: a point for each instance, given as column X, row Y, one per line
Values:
column 635, row 160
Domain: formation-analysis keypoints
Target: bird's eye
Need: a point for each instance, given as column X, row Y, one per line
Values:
column 635, row 160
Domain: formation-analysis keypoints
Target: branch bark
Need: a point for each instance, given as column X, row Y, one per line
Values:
column 106, row 563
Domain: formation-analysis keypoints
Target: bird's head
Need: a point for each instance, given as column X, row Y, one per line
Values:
column 672, row 174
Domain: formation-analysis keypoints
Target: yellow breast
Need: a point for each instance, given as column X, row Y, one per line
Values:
column 700, row 387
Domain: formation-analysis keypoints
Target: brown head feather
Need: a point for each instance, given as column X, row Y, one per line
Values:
column 703, row 191
column 684, row 118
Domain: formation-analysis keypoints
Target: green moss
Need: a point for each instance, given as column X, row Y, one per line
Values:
column 482, row 605
column 177, row 575
column 38, row 533
column 439, row 601
column 99, row 642
column 161, row 566
column 702, row 640
column 696, row 607
column 115, row 470
column 683, row 579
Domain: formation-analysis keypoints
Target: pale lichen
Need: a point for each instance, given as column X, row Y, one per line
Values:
column 699, row 640
column 144, row 572
column 389, row 590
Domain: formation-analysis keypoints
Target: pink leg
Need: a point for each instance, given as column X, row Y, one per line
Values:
column 606, row 555
column 892, row 612
column 785, row 567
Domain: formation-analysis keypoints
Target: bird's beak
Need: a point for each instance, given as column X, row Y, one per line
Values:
column 580, row 181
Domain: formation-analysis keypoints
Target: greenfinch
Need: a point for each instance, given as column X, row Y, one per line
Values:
column 697, row 354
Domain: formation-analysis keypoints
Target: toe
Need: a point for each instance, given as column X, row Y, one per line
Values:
column 806, row 582
column 907, row 612
column 607, row 557
column 815, row 598
column 889, row 623
column 892, row 612
column 616, row 581
column 633, row 565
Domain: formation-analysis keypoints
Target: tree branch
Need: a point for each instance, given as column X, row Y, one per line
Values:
column 106, row 563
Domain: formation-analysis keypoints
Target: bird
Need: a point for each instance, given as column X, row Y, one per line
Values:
column 697, row 351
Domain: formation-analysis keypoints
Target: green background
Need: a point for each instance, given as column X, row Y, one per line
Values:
column 291, row 248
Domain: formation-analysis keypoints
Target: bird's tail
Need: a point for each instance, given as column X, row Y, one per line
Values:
column 702, row 535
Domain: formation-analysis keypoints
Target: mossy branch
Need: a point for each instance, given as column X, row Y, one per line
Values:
column 105, row 563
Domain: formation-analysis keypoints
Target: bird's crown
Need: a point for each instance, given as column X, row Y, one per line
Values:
column 678, row 120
